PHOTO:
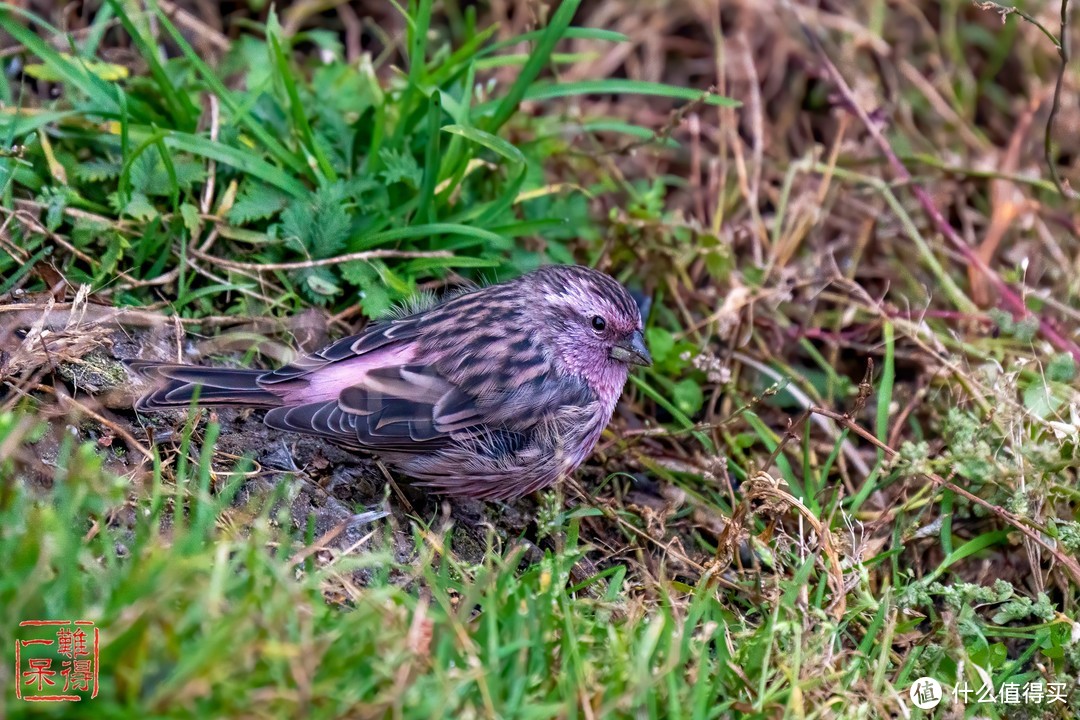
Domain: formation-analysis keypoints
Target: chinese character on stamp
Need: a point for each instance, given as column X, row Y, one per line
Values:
column 56, row 660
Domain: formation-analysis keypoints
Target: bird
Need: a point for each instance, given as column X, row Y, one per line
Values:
column 490, row 393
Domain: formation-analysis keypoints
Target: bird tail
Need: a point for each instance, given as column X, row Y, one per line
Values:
column 180, row 385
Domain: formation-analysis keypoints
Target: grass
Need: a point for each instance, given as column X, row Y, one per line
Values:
column 852, row 464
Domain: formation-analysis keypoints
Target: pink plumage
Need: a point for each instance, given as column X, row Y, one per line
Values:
column 492, row 393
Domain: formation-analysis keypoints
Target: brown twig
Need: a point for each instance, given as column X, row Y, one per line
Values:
column 1048, row 136
column 188, row 21
column 124, row 435
column 1005, row 10
column 1009, row 297
column 302, row 265
column 323, row 542
column 32, row 224
column 674, row 120
column 833, row 567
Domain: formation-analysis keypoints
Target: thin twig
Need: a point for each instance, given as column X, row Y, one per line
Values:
column 211, row 167
column 1048, row 136
column 1006, row 10
column 350, row 257
column 32, row 224
column 610, row 514
column 674, row 121
column 190, row 22
column 126, row 436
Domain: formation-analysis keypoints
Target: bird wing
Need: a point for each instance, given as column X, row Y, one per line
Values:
column 416, row 409
column 377, row 336
column 397, row 407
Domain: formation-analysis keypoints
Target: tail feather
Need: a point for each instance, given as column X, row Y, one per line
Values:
column 179, row 385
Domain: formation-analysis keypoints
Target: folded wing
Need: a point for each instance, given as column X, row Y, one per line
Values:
column 403, row 408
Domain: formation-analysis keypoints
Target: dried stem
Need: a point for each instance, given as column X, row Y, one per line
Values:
column 1048, row 136
column 304, row 264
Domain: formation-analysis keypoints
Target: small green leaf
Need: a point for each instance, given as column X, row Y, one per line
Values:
column 660, row 342
column 320, row 225
column 257, row 202
column 150, row 176
column 96, row 171
column 192, row 221
column 322, row 285
column 346, row 89
column 1042, row 399
column 1061, row 368
column 688, row 396
column 400, row 167
column 56, row 202
column 139, row 207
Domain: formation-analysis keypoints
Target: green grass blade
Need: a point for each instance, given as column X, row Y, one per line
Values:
column 268, row 141
column 571, row 33
column 432, row 156
column 284, row 75
column 101, row 93
column 617, row 86
column 493, row 143
column 538, row 60
column 179, row 106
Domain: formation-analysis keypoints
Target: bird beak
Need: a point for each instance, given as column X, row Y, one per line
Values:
column 632, row 350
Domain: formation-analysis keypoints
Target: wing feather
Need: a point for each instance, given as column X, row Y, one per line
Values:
column 375, row 337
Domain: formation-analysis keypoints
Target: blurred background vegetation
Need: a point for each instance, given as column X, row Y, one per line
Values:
column 853, row 464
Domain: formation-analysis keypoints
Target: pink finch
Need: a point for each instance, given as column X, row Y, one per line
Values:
column 493, row 393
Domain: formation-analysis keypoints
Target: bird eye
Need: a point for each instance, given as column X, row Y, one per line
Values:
column 598, row 323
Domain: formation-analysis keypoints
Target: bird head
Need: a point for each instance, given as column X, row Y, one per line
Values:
column 595, row 325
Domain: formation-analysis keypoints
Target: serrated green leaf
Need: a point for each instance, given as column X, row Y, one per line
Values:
column 257, row 202
column 95, row 171
column 379, row 286
column 192, row 221
column 400, row 167
column 375, row 301
column 358, row 272
column 139, row 207
column 320, row 225
column 55, row 201
column 150, row 176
